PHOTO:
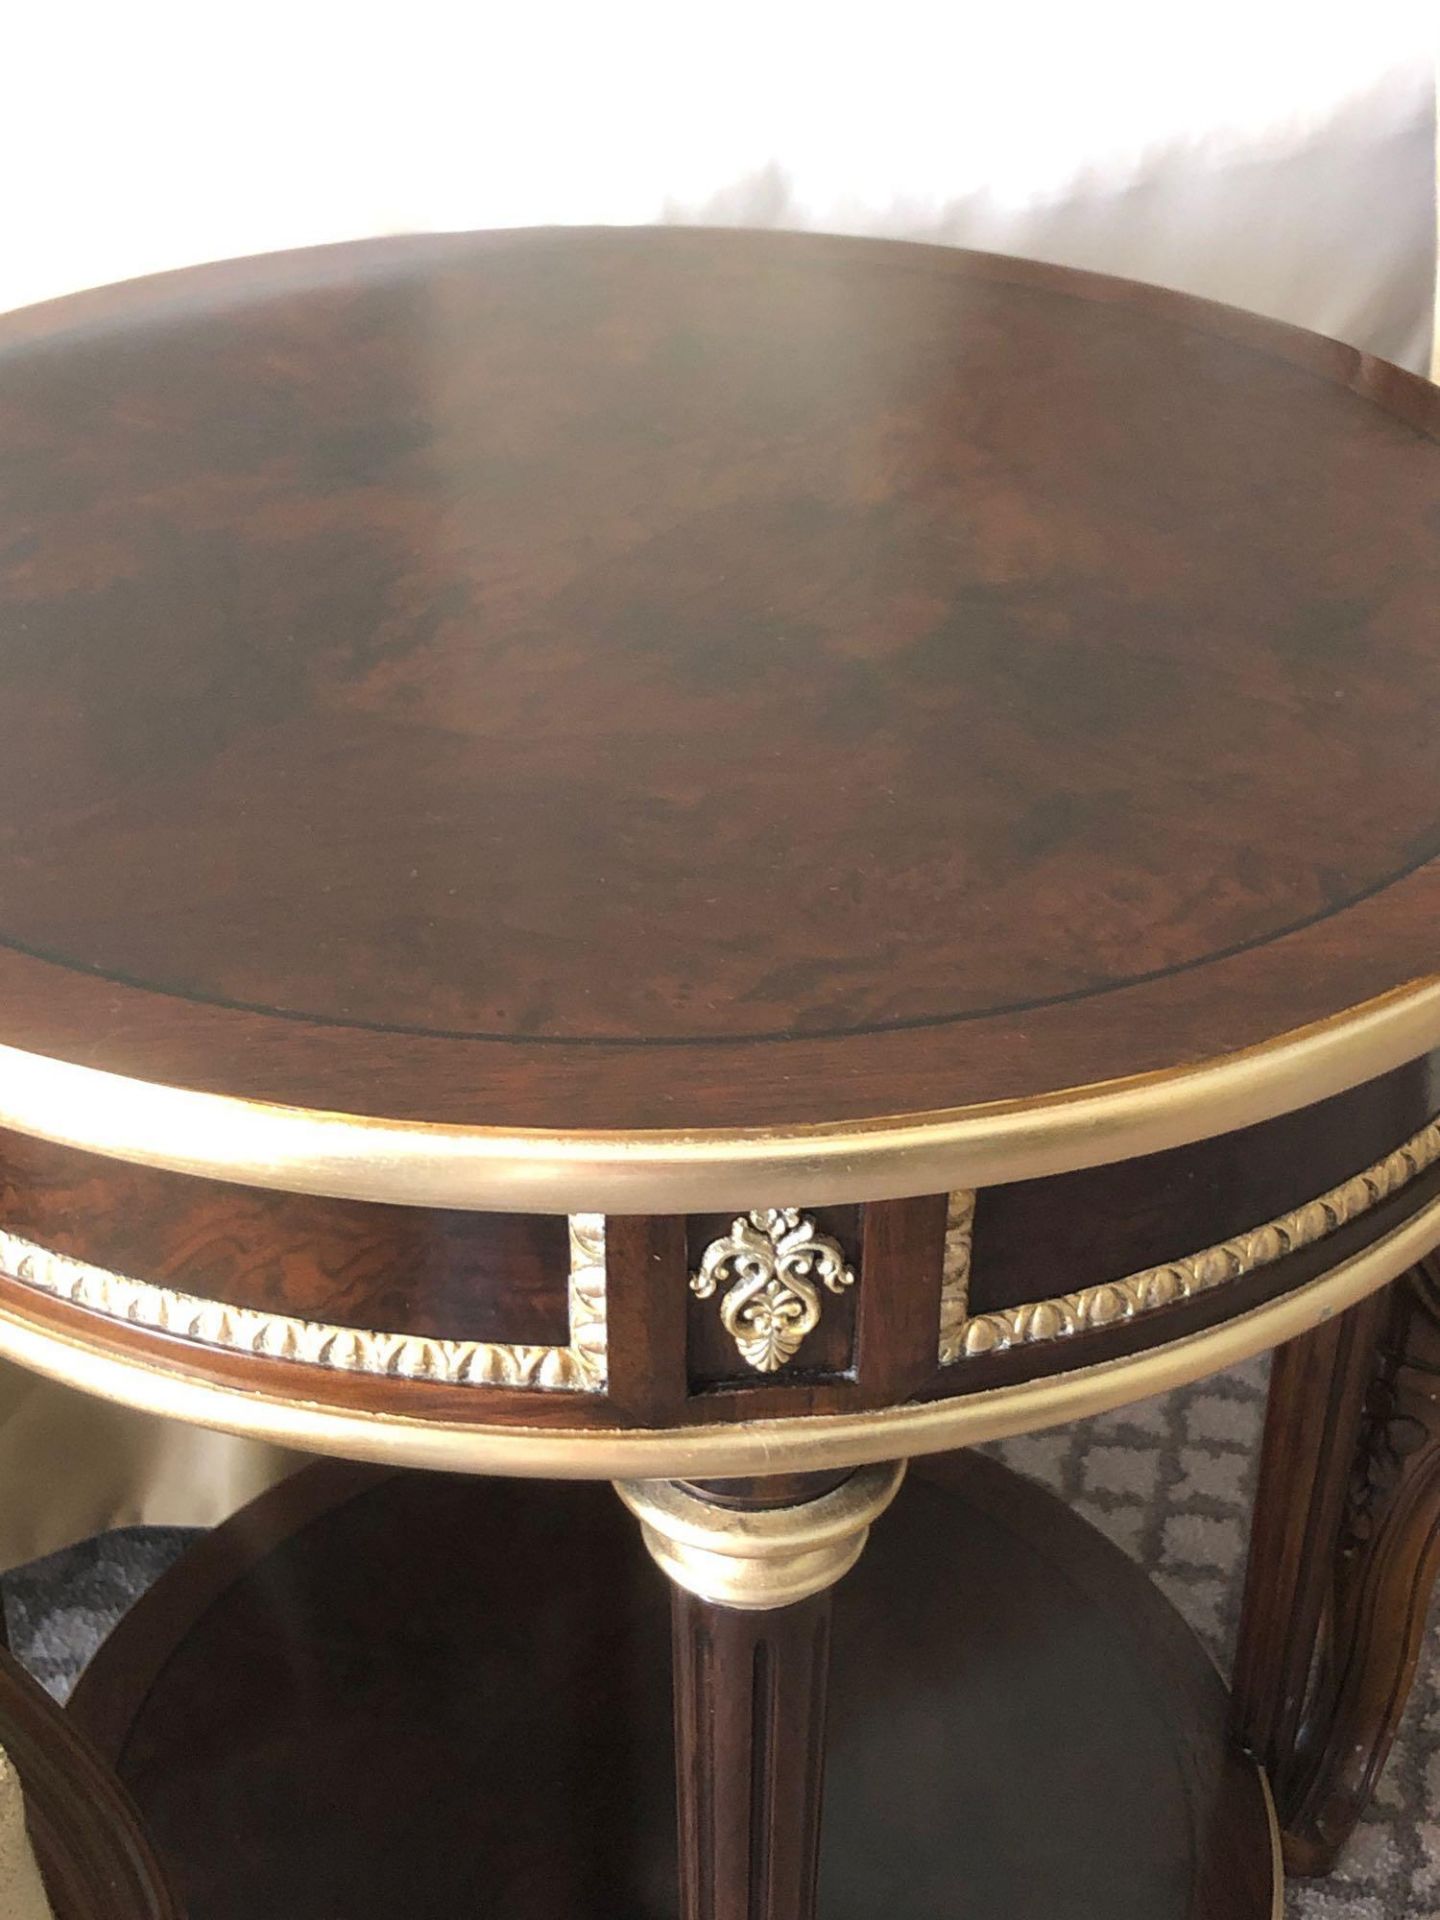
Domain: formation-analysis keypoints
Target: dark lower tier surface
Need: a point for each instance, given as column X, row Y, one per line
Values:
column 379, row 1694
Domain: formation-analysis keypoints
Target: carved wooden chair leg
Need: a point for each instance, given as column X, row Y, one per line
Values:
column 751, row 1612
column 1385, row 1570
column 1344, row 1554
column 1312, row 1428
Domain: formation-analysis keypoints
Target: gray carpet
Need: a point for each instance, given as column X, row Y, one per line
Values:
column 1169, row 1481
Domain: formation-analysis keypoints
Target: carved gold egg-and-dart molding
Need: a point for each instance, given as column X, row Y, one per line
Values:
column 774, row 1264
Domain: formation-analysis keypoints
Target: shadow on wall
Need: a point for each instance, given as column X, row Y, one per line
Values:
column 1332, row 227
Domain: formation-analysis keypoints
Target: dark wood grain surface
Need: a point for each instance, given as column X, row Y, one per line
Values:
column 663, row 678
column 1019, row 1723
column 750, row 1696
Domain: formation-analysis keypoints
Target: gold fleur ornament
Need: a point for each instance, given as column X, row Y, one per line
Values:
column 773, row 1264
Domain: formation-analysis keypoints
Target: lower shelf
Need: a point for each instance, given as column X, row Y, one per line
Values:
column 376, row 1694
column 93, row 1858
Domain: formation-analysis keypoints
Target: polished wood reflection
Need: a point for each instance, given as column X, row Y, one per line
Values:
column 679, row 679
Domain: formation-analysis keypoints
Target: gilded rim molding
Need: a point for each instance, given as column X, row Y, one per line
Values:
column 358, row 1157
column 963, row 1335
column 579, row 1367
column 745, row 1447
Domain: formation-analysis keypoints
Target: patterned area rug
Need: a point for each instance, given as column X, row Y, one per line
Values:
column 1169, row 1481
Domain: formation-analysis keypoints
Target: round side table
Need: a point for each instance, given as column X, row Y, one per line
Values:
column 723, row 861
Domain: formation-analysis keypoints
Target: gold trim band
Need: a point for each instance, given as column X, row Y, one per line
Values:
column 359, row 1157
column 955, row 1272
column 715, row 1451
column 579, row 1367
column 963, row 1335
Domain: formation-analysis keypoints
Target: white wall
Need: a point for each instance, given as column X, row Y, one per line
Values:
column 1271, row 153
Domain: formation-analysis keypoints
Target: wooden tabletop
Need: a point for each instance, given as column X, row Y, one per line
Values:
column 659, row 679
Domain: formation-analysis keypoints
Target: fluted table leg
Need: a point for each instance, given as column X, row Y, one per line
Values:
column 752, row 1568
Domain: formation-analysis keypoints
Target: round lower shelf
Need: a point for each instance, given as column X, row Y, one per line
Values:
column 372, row 1694
column 94, row 1860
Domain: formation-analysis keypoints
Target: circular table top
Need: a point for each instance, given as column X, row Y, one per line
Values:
column 627, row 701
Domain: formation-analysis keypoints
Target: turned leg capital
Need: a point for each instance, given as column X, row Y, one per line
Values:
column 759, row 1557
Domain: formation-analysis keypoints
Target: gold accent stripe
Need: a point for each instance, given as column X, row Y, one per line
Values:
column 963, row 1335
column 579, row 1367
column 589, row 1334
column 955, row 1284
